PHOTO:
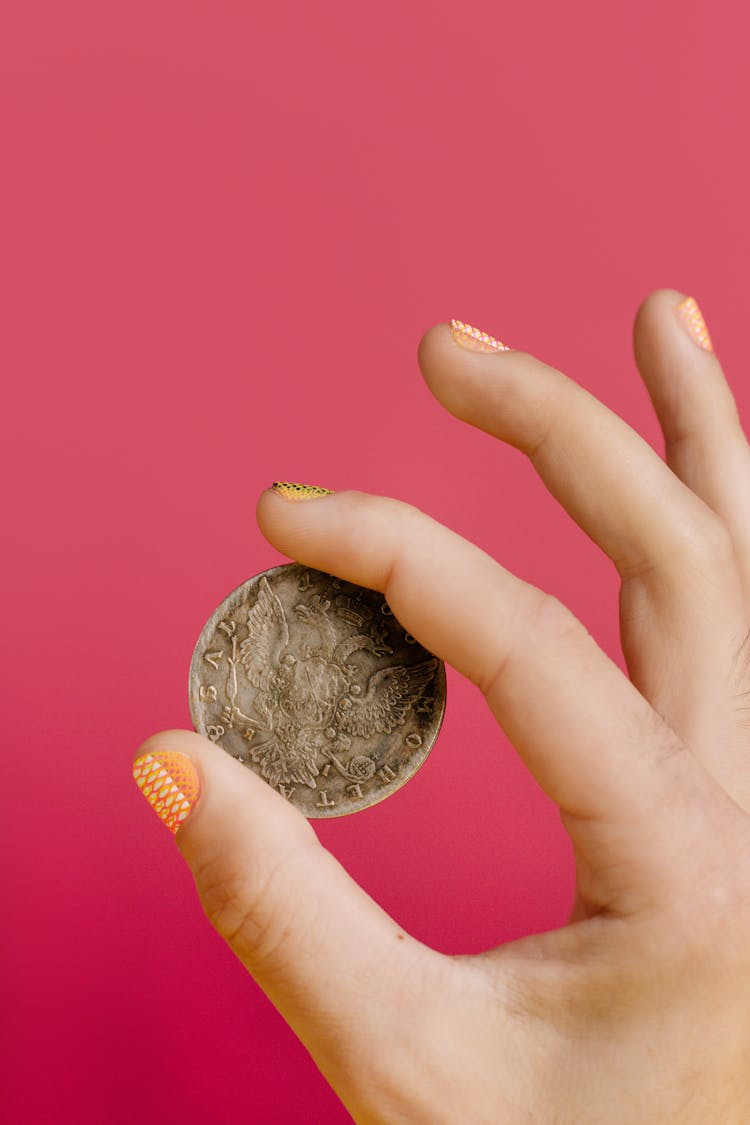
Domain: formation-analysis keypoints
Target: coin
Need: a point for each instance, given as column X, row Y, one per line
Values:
column 311, row 682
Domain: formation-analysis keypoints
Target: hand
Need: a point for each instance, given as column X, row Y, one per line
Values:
column 639, row 1009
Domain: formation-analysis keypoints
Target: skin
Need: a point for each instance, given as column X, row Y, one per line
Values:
column 639, row 1009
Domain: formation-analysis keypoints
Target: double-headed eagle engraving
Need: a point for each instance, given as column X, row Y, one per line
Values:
column 307, row 706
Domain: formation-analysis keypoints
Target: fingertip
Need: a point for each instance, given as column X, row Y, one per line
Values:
column 441, row 364
column 433, row 338
column 208, row 759
column 278, row 519
column 670, row 341
column 168, row 777
column 187, row 742
column 264, row 505
column 656, row 305
column 189, row 767
column 286, row 520
column 462, row 377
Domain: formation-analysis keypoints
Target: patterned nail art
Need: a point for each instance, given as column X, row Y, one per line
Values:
column 169, row 782
column 695, row 326
column 292, row 491
column 474, row 339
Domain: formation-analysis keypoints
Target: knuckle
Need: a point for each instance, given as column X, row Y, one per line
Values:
column 386, row 509
column 249, row 908
column 710, row 901
column 539, row 619
column 740, row 680
column 549, row 619
column 706, row 545
column 378, row 532
column 407, row 514
column 555, row 396
column 224, row 895
column 713, row 928
column 527, row 415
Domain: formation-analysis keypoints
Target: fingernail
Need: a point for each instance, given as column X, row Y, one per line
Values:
column 292, row 491
column 169, row 781
column 691, row 318
column 474, row 340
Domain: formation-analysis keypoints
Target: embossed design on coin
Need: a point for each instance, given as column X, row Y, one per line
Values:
column 311, row 682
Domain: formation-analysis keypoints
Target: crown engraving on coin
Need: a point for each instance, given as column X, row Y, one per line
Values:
column 311, row 682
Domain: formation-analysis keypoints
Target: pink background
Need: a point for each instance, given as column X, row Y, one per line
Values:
column 224, row 228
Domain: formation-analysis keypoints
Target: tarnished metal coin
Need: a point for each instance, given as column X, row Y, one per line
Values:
column 312, row 683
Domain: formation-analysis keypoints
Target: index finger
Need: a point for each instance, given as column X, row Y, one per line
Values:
column 588, row 736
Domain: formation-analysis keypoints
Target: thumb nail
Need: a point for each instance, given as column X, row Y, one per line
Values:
column 170, row 783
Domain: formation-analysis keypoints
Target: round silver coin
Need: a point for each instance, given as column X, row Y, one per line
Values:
column 311, row 682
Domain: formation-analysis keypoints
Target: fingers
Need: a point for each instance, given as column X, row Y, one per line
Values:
column 704, row 442
column 584, row 731
column 605, row 475
column 682, row 603
column 322, row 950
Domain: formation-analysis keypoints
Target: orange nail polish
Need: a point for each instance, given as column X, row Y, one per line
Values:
column 691, row 318
column 291, row 491
column 474, row 340
column 169, row 781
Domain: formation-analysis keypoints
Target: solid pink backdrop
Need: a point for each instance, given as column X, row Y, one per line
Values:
column 224, row 228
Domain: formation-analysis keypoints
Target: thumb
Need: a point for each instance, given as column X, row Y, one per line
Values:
column 322, row 950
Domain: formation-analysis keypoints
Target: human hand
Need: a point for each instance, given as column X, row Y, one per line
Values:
column 639, row 1009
